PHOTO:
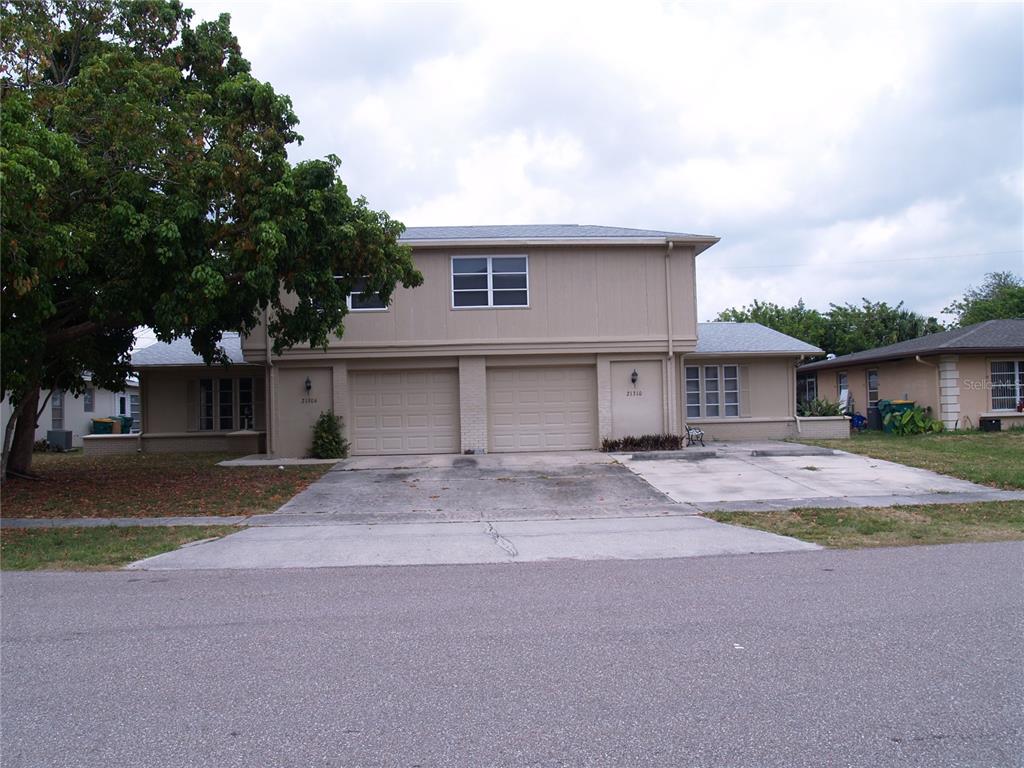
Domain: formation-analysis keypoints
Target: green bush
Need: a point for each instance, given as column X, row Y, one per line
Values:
column 327, row 440
column 915, row 421
column 819, row 407
column 643, row 443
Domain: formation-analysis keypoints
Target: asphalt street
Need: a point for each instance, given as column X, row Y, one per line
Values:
column 894, row 657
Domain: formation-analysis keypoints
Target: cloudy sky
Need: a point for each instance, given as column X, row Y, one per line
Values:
column 838, row 151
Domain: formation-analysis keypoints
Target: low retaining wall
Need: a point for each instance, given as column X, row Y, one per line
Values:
column 745, row 429
column 176, row 442
column 823, row 427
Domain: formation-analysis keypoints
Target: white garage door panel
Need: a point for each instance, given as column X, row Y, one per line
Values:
column 404, row 412
column 542, row 409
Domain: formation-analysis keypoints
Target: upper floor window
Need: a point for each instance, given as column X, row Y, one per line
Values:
column 362, row 301
column 490, row 281
column 1007, row 384
column 89, row 400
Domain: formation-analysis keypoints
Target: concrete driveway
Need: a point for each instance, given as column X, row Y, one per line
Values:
column 453, row 488
column 553, row 506
column 773, row 476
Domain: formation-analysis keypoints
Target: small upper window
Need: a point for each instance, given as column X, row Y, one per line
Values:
column 361, row 301
column 490, row 281
column 89, row 400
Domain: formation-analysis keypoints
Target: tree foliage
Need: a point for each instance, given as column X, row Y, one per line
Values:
column 1000, row 297
column 145, row 181
column 843, row 329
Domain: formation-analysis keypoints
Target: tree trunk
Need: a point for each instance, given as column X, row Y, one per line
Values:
column 20, row 458
column 8, row 436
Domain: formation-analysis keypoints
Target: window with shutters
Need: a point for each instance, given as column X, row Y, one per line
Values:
column 712, row 391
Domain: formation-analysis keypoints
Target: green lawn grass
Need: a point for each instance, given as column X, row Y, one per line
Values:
column 151, row 485
column 30, row 549
column 989, row 458
column 890, row 526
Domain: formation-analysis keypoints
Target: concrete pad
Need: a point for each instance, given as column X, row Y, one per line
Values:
column 469, row 488
column 738, row 480
column 537, row 461
column 459, row 543
column 638, row 539
column 263, row 460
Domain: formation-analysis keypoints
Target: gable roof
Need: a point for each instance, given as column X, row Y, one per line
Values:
column 989, row 336
column 548, row 234
column 725, row 338
column 179, row 352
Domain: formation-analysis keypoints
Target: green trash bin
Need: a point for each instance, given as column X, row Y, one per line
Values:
column 894, row 407
column 103, row 426
column 126, row 424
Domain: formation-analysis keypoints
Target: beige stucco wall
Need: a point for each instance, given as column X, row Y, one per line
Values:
column 609, row 296
column 165, row 395
column 910, row 379
column 76, row 418
column 899, row 380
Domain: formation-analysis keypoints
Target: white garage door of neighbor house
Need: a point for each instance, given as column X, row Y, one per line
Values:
column 542, row 409
column 404, row 412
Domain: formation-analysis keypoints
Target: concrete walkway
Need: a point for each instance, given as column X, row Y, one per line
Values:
column 523, row 541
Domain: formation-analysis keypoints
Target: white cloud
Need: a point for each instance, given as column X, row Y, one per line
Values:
column 834, row 137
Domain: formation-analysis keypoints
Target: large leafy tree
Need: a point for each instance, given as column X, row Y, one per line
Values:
column 1000, row 297
column 843, row 329
column 145, row 181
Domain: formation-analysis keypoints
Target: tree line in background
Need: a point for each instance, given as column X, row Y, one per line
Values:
column 847, row 328
column 145, row 181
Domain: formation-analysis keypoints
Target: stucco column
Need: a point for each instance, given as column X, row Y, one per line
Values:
column 340, row 396
column 473, row 404
column 949, row 390
column 604, row 397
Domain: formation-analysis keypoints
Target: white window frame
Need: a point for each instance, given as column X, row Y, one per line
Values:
column 721, row 394
column 878, row 387
column 843, row 385
column 89, row 400
column 236, row 404
column 56, row 409
column 490, row 281
column 348, row 301
column 1017, row 384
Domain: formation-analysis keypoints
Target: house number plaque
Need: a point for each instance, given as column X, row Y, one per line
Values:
column 634, row 393
column 308, row 400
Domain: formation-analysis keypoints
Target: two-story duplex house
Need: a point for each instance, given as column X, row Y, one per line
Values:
column 521, row 338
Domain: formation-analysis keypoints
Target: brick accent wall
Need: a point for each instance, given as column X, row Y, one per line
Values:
column 185, row 442
column 473, row 403
column 604, row 397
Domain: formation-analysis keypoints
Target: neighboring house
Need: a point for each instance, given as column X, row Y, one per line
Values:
column 964, row 375
column 521, row 338
column 65, row 411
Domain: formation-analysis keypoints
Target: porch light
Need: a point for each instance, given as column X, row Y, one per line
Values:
column 634, row 376
column 309, row 385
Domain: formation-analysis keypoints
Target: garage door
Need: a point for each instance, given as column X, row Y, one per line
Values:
column 542, row 409
column 404, row 412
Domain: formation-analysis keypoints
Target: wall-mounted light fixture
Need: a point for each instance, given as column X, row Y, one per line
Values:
column 309, row 385
column 634, row 376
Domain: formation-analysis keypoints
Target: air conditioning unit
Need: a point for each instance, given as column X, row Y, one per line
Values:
column 59, row 439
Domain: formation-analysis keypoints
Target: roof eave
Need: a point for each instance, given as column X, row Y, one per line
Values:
column 700, row 243
column 839, row 362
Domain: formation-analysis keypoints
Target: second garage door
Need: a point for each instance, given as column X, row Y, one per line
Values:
column 542, row 409
column 404, row 412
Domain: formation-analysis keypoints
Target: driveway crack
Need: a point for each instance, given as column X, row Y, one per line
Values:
column 501, row 541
